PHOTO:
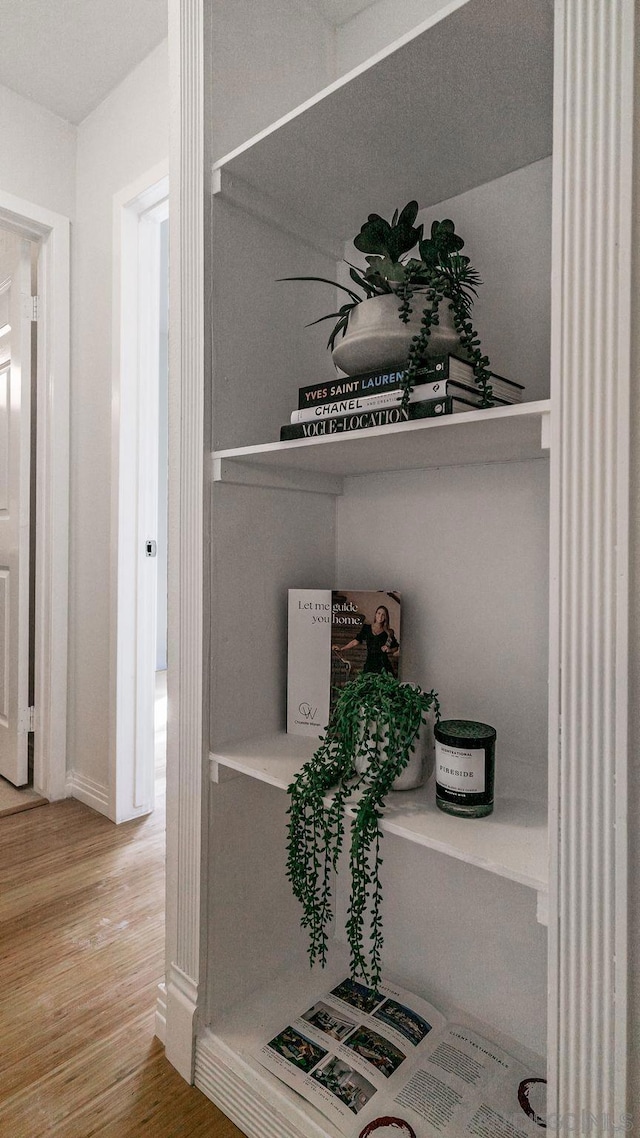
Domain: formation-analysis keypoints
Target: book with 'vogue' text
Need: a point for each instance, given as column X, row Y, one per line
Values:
column 375, row 417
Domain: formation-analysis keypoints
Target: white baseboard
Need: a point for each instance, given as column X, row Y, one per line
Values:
column 93, row 794
column 181, row 1013
column 259, row 1109
column 161, row 1013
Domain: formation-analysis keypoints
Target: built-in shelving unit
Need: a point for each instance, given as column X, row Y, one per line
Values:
column 453, row 512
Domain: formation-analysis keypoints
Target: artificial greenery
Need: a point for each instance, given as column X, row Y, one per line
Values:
column 440, row 273
column 375, row 719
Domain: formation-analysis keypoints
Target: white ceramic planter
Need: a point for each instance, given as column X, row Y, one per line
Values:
column 377, row 340
column 421, row 763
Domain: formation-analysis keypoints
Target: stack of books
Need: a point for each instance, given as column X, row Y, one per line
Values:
column 443, row 386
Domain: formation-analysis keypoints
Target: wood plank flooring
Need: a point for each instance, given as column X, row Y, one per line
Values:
column 12, row 801
column 81, row 956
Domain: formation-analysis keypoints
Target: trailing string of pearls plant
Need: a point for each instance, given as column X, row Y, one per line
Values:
column 450, row 277
column 374, row 724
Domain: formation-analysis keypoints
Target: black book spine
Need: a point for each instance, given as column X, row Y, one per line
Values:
column 362, row 420
column 371, row 383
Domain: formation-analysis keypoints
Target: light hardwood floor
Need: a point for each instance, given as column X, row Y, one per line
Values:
column 81, row 952
column 13, row 800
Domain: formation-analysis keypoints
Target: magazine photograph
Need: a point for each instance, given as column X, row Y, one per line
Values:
column 387, row 1062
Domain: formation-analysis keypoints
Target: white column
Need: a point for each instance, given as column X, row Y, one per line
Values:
column 589, row 562
column 186, row 831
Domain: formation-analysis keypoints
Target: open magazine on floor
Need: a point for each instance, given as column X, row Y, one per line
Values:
column 386, row 1063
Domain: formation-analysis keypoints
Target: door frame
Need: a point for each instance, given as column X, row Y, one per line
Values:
column 51, row 231
column 138, row 211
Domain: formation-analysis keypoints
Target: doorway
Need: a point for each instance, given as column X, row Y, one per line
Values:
column 34, row 476
column 160, row 714
column 18, row 262
column 139, row 623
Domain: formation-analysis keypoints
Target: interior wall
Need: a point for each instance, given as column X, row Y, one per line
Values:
column 256, row 381
column 506, row 226
column 469, row 594
column 291, row 53
column 444, row 926
column 266, row 59
column 117, row 143
column 377, row 26
column 37, row 155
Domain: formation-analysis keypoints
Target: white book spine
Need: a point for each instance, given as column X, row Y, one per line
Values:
column 435, row 390
column 309, row 662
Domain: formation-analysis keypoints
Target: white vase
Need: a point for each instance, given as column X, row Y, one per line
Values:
column 377, row 340
column 421, row 761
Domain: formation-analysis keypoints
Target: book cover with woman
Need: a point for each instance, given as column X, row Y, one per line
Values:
column 379, row 640
column 333, row 636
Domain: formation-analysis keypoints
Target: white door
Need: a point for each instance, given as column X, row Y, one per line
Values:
column 141, row 300
column 15, row 466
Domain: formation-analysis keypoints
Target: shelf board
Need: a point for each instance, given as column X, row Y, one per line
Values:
column 226, row 1067
column 447, row 83
column 497, row 434
column 228, row 1072
column 511, row 842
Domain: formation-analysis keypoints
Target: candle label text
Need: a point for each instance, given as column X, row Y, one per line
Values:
column 460, row 770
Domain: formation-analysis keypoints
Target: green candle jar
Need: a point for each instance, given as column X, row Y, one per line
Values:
column 465, row 767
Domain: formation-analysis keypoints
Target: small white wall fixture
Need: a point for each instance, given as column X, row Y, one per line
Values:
column 139, row 211
column 51, row 232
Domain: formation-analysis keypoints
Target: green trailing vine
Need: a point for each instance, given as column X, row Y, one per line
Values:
column 445, row 275
column 439, row 274
column 375, row 723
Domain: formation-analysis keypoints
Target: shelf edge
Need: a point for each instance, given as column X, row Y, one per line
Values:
column 243, row 195
column 234, row 456
column 234, row 471
column 219, row 763
column 250, row 1096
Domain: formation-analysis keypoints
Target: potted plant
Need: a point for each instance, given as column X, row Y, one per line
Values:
column 408, row 307
column 372, row 735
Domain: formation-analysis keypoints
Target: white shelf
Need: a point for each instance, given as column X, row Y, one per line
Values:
column 497, row 434
column 511, row 842
column 226, row 1066
column 418, row 120
column 227, row 1070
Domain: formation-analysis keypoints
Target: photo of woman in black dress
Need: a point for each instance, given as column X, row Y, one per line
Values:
column 379, row 640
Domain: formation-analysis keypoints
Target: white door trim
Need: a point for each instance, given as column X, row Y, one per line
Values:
column 138, row 211
column 51, row 230
column 590, row 489
column 187, row 746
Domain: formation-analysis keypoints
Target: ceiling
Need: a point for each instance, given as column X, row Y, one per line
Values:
column 68, row 54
